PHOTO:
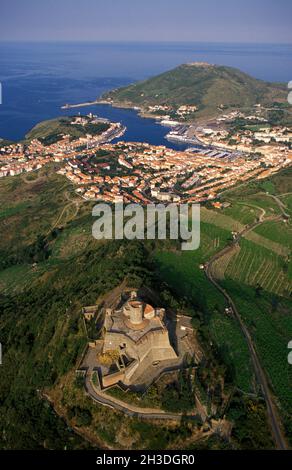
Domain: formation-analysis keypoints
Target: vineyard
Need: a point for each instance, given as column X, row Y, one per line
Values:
column 256, row 266
column 234, row 349
column 271, row 328
column 219, row 266
column 278, row 232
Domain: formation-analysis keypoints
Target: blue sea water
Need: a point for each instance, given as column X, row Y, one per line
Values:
column 38, row 78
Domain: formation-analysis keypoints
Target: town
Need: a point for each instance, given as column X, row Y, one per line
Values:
column 144, row 173
column 23, row 157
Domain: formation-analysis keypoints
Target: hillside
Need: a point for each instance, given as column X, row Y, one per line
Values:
column 52, row 130
column 51, row 266
column 206, row 86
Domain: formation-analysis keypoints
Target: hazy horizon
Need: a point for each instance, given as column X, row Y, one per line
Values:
column 100, row 41
column 243, row 22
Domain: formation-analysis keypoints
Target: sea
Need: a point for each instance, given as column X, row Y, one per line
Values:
column 38, row 78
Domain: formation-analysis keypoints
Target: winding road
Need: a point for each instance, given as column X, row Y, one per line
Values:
column 126, row 408
column 133, row 410
column 272, row 411
column 280, row 204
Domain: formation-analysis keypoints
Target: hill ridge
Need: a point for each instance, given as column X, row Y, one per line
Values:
column 211, row 88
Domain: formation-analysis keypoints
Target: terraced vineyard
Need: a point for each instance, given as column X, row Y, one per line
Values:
column 255, row 265
column 263, row 258
column 220, row 266
column 271, row 245
column 259, row 261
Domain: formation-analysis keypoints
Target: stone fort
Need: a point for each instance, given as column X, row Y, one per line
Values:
column 136, row 334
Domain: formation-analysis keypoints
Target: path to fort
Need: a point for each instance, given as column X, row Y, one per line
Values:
column 129, row 409
column 126, row 408
column 272, row 411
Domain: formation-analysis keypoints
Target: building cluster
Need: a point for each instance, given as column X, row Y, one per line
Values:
column 249, row 140
column 167, row 111
column 279, row 134
column 184, row 110
column 144, row 173
column 159, row 108
column 88, row 119
column 25, row 157
column 229, row 117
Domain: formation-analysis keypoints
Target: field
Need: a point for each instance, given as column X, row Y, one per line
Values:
column 221, row 220
column 263, row 258
column 244, row 212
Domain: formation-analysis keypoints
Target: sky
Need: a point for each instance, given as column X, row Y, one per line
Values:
column 245, row 21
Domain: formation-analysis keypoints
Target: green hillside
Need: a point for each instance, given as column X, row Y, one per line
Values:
column 52, row 130
column 206, row 86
